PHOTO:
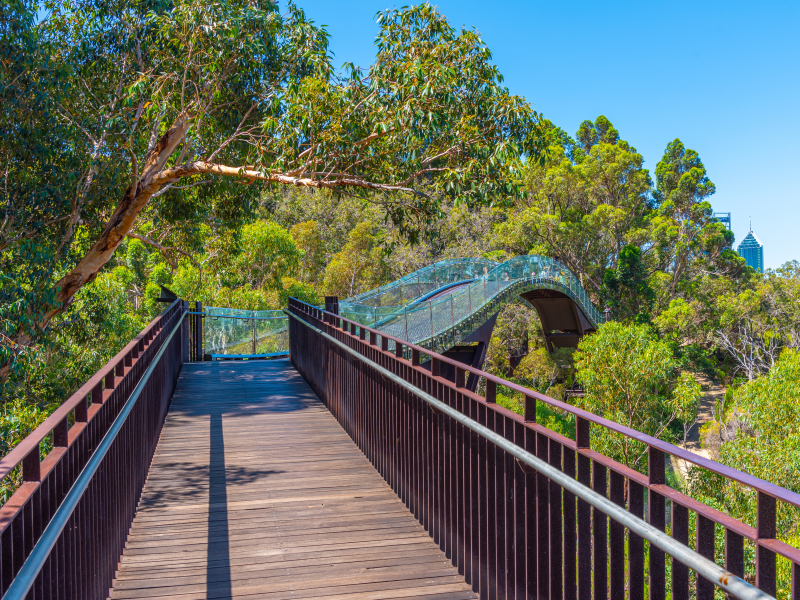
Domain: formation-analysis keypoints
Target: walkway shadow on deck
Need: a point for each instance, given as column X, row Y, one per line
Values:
column 258, row 386
column 218, row 544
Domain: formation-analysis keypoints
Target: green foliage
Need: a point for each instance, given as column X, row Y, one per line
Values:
column 590, row 134
column 360, row 265
column 267, row 254
column 631, row 377
column 626, row 289
column 583, row 212
column 761, row 431
column 136, row 260
column 291, row 288
column 308, row 238
column 188, row 99
column 766, row 443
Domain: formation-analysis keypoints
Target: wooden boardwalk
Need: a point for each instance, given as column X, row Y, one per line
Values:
column 255, row 491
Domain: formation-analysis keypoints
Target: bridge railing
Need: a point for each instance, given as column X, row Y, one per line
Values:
column 63, row 530
column 521, row 510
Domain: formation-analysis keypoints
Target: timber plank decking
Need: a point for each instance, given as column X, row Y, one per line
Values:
column 255, row 491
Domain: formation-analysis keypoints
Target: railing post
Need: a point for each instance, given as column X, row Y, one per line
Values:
column 332, row 304
column 61, row 433
column 491, row 391
column 198, row 331
column 31, row 467
column 183, row 305
column 461, row 375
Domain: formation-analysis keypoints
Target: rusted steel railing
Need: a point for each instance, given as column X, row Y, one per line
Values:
column 511, row 531
column 84, row 521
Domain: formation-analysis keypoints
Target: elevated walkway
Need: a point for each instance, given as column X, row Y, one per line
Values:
column 180, row 480
column 256, row 491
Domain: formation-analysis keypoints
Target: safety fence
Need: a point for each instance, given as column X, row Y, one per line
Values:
column 232, row 331
column 522, row 511
column 236, row 332
column 63, row 530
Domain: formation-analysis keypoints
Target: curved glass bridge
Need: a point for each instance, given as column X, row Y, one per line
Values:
column 438, row 307
column 443, row 304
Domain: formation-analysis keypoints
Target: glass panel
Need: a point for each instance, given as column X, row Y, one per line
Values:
column 493, row 284
column 233, row 331
column 272, row 335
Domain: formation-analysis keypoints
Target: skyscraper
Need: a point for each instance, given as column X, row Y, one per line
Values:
column 752, row 251
column 724, row 218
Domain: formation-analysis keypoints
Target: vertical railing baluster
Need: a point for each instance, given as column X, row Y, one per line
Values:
column 542, row 521
column 636, row 579
column 520, row 524
column 484, row 511
column 657, row 517
column 766, row 518
column 491, row 498
column 734, row 559
column 616, row 538
column 600, row 533
column 680, row 532
column 556, row 533
column 476, row 533
column 582, row 433
column 570, row 530
column 705, row 546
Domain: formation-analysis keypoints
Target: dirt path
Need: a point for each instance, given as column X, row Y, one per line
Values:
column 712, row 392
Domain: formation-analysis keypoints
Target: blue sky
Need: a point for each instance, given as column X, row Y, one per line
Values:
column 724, row 77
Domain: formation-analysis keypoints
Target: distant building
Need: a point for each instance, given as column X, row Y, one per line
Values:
column 724, row 218
column 752, row 251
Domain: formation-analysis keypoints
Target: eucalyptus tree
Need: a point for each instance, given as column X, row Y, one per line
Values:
column 176, row 111
column 631, row 377
column 687, row 241
column 588, row 202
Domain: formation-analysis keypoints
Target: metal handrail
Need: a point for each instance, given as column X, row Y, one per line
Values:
column 37, row 436
column 752, row 481
column 721, row 577
column 30, row 569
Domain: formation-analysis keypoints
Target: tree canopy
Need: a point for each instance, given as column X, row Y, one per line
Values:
column 130, row 104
